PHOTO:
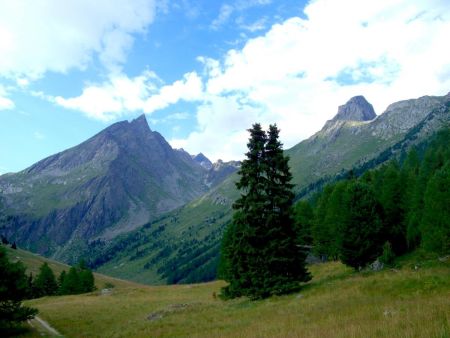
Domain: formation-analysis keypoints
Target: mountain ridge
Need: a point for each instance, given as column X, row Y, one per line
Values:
column 115, row 181
column 184, row 245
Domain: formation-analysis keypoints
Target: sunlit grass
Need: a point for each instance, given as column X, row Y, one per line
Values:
column 338, row 302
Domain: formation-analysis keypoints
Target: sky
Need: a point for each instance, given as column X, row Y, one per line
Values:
column 204, row 71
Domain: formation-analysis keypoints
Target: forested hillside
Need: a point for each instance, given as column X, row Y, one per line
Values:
column 388, row 211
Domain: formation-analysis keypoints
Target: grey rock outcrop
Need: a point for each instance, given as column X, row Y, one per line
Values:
column 356, row 109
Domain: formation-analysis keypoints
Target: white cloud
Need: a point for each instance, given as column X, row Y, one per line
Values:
column 51, row 35
column 190, row 88
column 121, row 94
column 226, row 11
column 224, row 14
column 300, row 71
column 5, row 102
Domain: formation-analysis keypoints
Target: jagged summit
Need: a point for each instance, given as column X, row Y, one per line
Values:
column 356, row 109
column 140, row 124
column 203, row 161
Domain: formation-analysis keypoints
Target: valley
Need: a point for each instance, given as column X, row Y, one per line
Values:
column 412, row 299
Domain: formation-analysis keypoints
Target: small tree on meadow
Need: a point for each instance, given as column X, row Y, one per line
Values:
column 45, row 282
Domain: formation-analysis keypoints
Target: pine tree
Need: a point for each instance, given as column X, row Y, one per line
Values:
column 45, row 282
column 260, row 252
column 13, row 289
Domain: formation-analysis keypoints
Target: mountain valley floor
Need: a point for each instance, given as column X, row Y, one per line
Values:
column 410, row 300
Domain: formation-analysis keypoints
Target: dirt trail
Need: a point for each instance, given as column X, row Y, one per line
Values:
column 43, row 327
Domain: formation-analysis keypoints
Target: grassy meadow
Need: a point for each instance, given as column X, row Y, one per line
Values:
column 412, row 300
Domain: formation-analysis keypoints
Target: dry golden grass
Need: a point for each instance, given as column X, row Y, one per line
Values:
column 336, row 303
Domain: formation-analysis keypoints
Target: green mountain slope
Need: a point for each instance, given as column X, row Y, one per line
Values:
column 114, row 182
column 183, row 246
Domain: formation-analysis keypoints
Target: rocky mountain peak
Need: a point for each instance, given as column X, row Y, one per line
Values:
column 203, row 161
column 140, row 124
column 356, row 109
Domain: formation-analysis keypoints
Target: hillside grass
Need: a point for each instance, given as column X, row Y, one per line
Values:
column 412, row 300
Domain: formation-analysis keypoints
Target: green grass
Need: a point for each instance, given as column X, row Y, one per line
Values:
column 338, row 302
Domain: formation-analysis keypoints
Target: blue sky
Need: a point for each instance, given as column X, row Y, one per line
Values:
column 204, row 71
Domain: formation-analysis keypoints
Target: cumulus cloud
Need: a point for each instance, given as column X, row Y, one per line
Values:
column 51, row 35
column 120, row 95
column 300, row 71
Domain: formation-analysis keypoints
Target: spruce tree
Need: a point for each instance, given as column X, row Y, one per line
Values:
column 87, row 280
column 71, row 283
column 45, row 283
column 260, row 252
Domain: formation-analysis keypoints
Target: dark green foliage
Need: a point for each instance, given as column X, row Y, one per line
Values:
column 303, row 219
column 260, row 253
column 435, row 225
column 361, row 229
column 413, row 208
column 328, row 221
column 79, row 279
column 388, row 256
column 14, row 246
column 13, row 289
column 45, row 283
column 86, row 280
column 71, row 283
column 61, row 278
column 391, row 195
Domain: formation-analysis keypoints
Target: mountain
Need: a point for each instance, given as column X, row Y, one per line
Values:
column 356, row 136
column 203, row 161
column 183, row 245
column 118, row 180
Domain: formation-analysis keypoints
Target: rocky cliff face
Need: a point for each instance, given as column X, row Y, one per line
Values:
column 114, row 182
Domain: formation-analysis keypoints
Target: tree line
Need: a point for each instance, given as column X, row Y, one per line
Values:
column 78, row 280
column 16, row 285
column 386, row 212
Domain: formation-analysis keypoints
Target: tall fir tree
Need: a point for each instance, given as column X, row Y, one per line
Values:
column 260, row 251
